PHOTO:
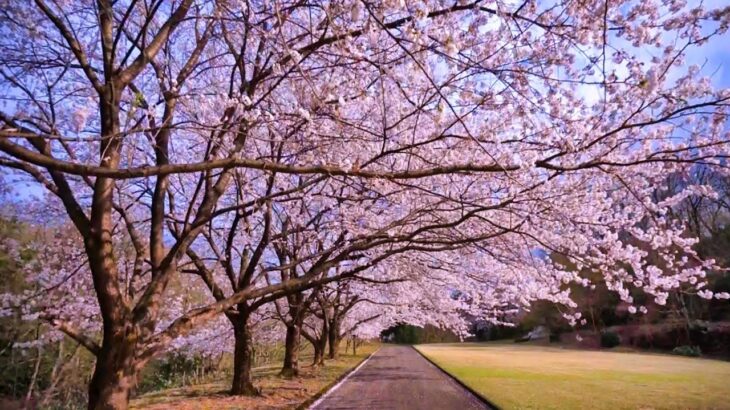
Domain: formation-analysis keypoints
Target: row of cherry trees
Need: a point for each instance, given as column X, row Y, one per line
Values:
column 269, row 152
column 56, row 290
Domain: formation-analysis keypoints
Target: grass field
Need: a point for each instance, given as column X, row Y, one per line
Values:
column 276, row 392
column 535, row 377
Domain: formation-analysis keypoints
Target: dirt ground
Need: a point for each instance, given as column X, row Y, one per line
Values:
column 276, row 392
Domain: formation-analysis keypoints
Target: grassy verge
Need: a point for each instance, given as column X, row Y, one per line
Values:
column 276, row 392
column 536, row 377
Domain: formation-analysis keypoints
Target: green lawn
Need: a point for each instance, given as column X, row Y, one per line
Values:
column 535, row 377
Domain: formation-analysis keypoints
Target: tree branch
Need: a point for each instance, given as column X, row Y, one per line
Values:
column 84, row 340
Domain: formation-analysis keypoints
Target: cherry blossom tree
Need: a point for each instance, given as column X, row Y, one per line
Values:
column 316, row 329
column 349, row 318
column 476, row 134
column 338, row 303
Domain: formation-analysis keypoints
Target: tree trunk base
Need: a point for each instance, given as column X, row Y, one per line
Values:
column 114, row 377
column 289, row 373
column 247, row 390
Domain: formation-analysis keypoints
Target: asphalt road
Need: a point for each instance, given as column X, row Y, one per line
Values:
column 397, row 377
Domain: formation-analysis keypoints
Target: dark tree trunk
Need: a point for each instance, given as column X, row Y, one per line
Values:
column 115, row 374
column 291, row 353
column 318, row 346
column 318, row 355
column 242, row 358
column 321, row 345
column 334, row 340
column 116, row 369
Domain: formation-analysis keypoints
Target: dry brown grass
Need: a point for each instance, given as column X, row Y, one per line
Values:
column 276, row 392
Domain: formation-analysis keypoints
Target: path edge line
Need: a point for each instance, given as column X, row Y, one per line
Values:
column 476, row 394
column 315, row 400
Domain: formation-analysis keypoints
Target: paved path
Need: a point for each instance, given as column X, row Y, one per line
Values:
column 397, row 377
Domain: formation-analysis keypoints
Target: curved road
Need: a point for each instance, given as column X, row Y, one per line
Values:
column 397, row 377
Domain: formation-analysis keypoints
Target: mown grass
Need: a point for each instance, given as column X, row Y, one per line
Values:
column 538, row 377
column 276, row 392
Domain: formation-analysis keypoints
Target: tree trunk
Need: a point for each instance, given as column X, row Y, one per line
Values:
column 291, row 354
column 334, row 340
column 33, row 378
column 243, row 359
column 116, row 370
column 318, row 355
column 322, row 344
column 317, row 346
column 115, row 374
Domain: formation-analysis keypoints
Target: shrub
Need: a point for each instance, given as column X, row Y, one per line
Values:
column 174, row 370
column 610, row 339
column 690, row 351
